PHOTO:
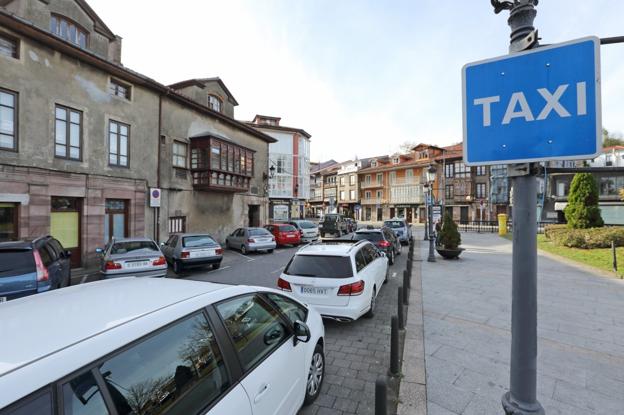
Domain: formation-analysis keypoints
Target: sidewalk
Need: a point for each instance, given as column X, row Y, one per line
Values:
column 467, row 306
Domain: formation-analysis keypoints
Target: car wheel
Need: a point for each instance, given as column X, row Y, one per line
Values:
column 177, row 266
column 243, row 249
column 216, row 266
column 316, row 374
column 270, row 251
column 373, row 303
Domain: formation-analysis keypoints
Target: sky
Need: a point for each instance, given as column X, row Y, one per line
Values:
column 361, row 76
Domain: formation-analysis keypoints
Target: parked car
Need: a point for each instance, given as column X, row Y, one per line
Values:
column 170, row 346
column 192, row 249
column 333, row 223
column 132, row 257
column 31, row 267
column 284, row 233
column 401, row 228
column 383, row 238
column 308, row 230
column 251, row 240
column 340, row 279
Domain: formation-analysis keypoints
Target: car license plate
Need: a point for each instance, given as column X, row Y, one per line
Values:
column 137, row 264
column 2, row 299
column 202, row 253
column 290, row 236
column 314, row 290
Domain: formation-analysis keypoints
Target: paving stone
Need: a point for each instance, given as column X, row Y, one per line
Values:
column 435, row 409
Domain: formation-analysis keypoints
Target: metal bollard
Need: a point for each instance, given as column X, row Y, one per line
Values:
column 400, row 310
column 406, row 279
column 405, row 294
column 381, row 396
column 394, row 346
column 614, row 253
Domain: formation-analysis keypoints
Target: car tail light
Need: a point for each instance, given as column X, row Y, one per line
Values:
column 251, row 241
column 159, row 261
column 42, row 271
column 185, row 254
column 352, row 289
column 112, row 265
column 384, row 244
column 283, row 285
column 219, row 251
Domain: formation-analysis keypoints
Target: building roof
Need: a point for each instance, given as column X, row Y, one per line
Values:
column 201, row 83
column 451, row 152
column 277, row 127
column 322, row 166
column 612, row 148
column 27, row 29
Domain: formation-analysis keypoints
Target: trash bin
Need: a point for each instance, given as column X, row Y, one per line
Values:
column 502, row 224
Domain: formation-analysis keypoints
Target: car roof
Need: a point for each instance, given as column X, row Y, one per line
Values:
column 83, row 311
column 182, row 235
column 333, row 249
column 136, row 239
column 16, row 245
column 368, row 231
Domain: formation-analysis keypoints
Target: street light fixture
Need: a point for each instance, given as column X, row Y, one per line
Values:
column 431, row 176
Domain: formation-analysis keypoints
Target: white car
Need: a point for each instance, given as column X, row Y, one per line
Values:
column 340, row 279
column 139, row 345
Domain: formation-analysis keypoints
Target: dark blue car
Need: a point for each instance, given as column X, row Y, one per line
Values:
column 31, row 267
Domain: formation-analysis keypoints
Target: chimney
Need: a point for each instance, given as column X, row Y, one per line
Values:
column 114, row 50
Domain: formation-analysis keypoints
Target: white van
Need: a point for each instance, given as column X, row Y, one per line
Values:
column 139, row 346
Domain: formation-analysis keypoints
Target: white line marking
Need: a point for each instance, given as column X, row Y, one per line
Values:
column 393, row 275
column 83, row 280
column 244, row 256
column 220, row 269
column 278, row 270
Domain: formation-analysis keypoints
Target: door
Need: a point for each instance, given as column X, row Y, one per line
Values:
column 115, row 219
column 392, row 212
column 379, row 214
column 254, row 216
column 408, row 215
column 463, row 214
column 8, row 222
column 275, row 368
column 236, row 238
column 65, row 219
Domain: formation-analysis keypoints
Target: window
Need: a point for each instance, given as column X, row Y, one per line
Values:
column 409, row 173
column 342, row 181
column 360, row 261
column 396, row 160
column 177, row 224
column 214, row 103
column 367, row 179
column 118, row 135
column 392, row 176
column 82, row 396
column 213, row 165
column 374, row 163
column 119, row 89
column 68, row 133
column 367, row 194
column 481, row 191
column 319, row 266
column 39, row 403
column 448, row 170
column 342, row 195
column 179, row 154
column 562, row 188
column 379, row 177
column 8, row 120
column 294, row 311
column 352, row 194
column 461, row 170
column 608, row 186
column 68, row 30
column 178, row 370
column 352, row 179
column 480, row 170
column 115, row 219
column 255, row 328
column 449, row 191
column 9, row 47
column 379, row 194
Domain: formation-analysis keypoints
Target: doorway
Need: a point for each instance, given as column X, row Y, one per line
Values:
column 253, row 215
column 115, row 219
column 379, row 214
column 65, row 219
column 408, row 215
column 463, row 214
column 392, row 213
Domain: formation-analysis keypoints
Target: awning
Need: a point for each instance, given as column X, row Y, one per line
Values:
column 560, row 205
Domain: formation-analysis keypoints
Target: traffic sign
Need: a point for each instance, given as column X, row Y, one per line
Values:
column 543, row 104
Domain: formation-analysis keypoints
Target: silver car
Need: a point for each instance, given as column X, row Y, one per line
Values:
column 251, row 240
column 401, row 229
column 309, row 230
column 185, row 250
column 132, row 257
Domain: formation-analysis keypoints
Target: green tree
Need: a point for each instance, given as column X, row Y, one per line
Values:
column 582, row 210
column 609, row 139
column 449, row 235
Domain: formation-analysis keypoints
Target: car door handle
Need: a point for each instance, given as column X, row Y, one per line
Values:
column 262, row 392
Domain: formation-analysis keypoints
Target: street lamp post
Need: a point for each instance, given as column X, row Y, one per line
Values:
column 426, row 192
column 431, row 174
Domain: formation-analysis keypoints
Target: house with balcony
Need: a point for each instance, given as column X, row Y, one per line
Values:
column 316, row 205
column 348, row 189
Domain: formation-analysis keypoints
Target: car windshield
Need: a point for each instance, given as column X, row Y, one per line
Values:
column 307, row 225
column 16, row 262
column 394, row 224
column 286, row 228
column 258, row 232
column 330, row 218
column 136, row 247
column 197, row 240
column 369, row 236
column 319, row 266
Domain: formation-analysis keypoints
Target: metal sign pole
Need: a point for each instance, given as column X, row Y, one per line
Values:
column 522, row 396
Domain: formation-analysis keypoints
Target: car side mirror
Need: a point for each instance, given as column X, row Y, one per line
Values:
column 99, row 251
column 302, row 332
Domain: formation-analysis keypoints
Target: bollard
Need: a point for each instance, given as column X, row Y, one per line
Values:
column 409, row 266
column 613, row 251
column 406, row 281
column 381, row 396
column 400, row 311
column 405, row 294
column 394, row 346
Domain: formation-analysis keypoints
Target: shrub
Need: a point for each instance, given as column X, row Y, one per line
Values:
column 449, row 235
column 582, row 211
column 587, row 238
column 549, row 230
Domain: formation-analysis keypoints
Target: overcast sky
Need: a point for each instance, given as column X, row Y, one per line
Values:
column 360, row 76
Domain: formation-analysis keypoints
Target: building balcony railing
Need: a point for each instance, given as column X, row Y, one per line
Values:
column 406, row 181
column 407, row 199
column 316, row 199
column 371, row 185
column 205, row 179
column 374, row 201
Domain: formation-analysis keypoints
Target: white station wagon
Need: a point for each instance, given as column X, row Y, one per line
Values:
column 339, row 279
column 152, row 346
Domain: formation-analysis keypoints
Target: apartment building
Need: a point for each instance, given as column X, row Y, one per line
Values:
column 348, row 189
column 316, row 204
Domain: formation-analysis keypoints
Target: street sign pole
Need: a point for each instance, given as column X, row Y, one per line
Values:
column 522, row 396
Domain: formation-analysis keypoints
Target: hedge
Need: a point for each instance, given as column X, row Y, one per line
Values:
column 585, row 238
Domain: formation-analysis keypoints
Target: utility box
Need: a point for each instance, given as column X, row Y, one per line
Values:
column 502, row 224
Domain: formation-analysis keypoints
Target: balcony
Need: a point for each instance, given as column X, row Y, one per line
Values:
column 406, row 181
column 406, row 194
column 371, row 185
column 374, row 201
